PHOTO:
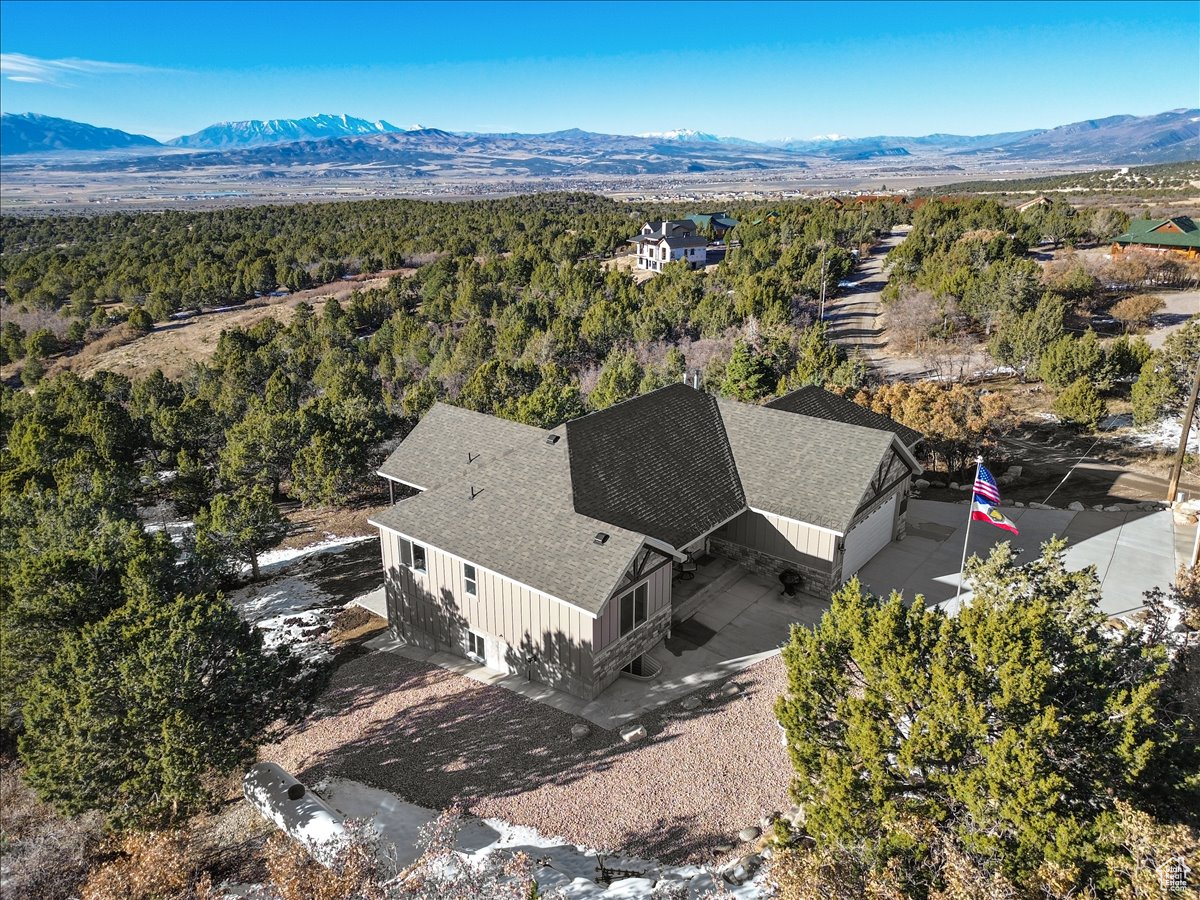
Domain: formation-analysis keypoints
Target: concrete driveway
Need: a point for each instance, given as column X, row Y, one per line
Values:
column 1132, row 551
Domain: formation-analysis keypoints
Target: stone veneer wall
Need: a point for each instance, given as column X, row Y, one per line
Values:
column 608, row 663
column 816, row 581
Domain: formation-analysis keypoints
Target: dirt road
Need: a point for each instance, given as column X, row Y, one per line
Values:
column 854, row 318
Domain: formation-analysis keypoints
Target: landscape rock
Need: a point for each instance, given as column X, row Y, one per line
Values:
column 723, row 848
column 1018, row 504
column 954, row 485
column 631, row 733
column 1075, row 505
column 937, row 484
column 920, row 484
column 692, row 702
column 1099, row 507
column 731, row 690
column 578, row 732
column 749, row 833
column 1014, row 472
column 1112, row 508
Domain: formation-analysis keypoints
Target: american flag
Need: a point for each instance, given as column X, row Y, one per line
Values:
column 986, row 488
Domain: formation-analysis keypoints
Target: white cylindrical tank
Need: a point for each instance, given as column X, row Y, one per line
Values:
column 294, row 808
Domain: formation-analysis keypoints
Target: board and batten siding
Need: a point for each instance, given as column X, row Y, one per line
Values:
column 784, row 538
column 436, row 602
column 607, row 628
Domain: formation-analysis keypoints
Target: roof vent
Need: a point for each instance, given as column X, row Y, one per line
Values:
column 552, row 439
column 600, row 538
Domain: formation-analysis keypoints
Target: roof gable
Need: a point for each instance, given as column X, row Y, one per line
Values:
column 832, row 465
column 822, row 404
column 450, row 442
column 659, row 464
column 514, row 516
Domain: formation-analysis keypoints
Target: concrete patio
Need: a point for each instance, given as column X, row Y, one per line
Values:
column 1132, row 551
column 747, row 621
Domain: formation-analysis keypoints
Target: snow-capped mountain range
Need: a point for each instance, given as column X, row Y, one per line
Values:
column 332, row 139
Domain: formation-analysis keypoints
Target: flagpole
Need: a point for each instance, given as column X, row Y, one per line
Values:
column 967, row 536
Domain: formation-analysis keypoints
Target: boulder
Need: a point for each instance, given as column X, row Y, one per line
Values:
column 723, row 848
column 1075, row 506
column 631, row 733
column 1018, row 504
column 579, row 732
column 954, row 485
column 749, row 833
column 937, row 484
column 1099, row 507
column 920, row 484
column 1113, row 508
column 1013, row 472
column 731, row 690
column 692, row 702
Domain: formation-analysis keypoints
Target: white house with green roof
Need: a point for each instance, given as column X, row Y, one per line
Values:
column 552, row 553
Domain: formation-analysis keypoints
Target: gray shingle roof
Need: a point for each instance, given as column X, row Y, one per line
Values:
column 439, row 448
column 521, row 523
column 822, row 404
column 831, row 464
column 658, row 464
column 670, row 465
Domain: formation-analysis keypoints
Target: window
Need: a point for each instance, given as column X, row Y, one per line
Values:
column 469, row 583
column 406, row 552
column 418, row 560
column 633, row 610
column 475, row 646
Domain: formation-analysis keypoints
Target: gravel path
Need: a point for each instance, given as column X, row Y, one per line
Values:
column 433, row 737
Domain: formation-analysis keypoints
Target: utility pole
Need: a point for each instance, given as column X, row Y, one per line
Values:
column 1177, row 468
column 821, row 315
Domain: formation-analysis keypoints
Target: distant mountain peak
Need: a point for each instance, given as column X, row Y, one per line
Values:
column 680, row 134
column 262, row 132
column 35, row 133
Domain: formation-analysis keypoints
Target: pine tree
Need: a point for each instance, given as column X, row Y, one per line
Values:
column 748, row 375
column 136, row 710
column 237, row 527
column 1015, row 724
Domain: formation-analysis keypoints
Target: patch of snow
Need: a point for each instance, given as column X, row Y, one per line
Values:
column 1165, row 435
column 274, row 560
column 290, row 611
column 561, row 865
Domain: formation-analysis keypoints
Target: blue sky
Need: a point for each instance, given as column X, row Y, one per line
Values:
column 757, row 71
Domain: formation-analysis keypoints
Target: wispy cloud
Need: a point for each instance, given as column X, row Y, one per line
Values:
column 25, row 69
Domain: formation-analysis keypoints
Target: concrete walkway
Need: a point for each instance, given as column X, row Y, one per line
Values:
column 1132, row 551
column 743, row 625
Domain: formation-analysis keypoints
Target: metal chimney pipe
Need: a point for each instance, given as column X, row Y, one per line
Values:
column 696, row 380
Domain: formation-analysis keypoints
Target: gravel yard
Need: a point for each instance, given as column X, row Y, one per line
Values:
column 434, row 737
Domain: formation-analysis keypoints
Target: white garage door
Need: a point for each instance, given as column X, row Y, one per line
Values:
column 867, row 538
